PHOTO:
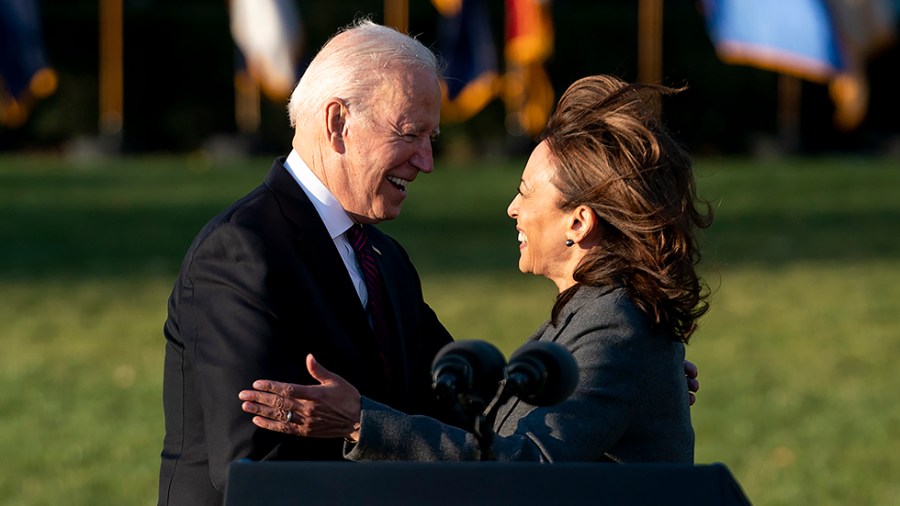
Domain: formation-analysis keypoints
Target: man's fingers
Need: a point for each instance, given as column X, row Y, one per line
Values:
column 318, row 371
column 265, row 398
column 276, row 387
column 269, row 424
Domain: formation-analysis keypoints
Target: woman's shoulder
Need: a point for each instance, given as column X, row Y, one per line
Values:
column 611, row 310
column 602, row 301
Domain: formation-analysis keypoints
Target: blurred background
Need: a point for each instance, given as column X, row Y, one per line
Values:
column 125, row 125
column 137, row 76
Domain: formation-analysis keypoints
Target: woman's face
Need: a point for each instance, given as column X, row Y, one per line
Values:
column 541, row 224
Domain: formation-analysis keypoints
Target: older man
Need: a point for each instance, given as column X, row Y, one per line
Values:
column 276, row 276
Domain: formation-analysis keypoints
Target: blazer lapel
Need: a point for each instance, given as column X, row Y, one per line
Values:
column 548, row 332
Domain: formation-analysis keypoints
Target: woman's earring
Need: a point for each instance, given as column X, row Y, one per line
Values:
column 569, row 243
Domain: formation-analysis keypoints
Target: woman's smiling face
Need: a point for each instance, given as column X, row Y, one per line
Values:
column 542, row 225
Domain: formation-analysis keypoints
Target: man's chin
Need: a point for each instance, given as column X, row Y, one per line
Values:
column 375, row 215
column 390, row 213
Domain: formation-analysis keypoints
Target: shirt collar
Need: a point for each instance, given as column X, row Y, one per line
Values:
column 333, row 215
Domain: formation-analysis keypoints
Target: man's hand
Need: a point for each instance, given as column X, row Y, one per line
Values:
column 329, row 409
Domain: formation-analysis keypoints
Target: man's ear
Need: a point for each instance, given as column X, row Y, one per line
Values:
column 335, row 120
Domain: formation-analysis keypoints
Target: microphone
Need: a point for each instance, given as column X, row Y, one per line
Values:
column 467, row 369
column 541, row 373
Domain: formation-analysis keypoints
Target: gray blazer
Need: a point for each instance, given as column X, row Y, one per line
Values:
column 630, row 405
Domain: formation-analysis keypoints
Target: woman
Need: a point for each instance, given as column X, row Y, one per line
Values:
column 606, row 210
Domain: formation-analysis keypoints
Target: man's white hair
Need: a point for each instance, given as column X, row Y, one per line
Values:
column 352, row 64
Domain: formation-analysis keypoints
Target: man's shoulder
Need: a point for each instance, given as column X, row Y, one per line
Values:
column 256, row 211
column 242, row 210
column 278, row 195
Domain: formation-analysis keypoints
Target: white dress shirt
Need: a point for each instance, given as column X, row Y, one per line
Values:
column 333, row 215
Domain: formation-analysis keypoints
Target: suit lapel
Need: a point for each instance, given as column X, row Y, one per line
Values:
column 329, row 277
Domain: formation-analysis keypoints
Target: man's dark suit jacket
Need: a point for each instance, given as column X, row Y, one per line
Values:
column 261, row 286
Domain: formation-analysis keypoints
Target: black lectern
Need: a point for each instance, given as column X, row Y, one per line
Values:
column 479, row 483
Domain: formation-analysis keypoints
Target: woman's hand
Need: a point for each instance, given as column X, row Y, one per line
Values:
column 693, row 384
column 329, row 409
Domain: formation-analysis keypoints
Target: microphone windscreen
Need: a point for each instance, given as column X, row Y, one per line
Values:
column 548, row 373
column 475, row 366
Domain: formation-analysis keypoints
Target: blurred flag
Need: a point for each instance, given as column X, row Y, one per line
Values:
column 529, row 43
column 825, row 41
column 792, row 37
column 268, row 35
column 863, row 28
column 467, row 46
column 25, row 74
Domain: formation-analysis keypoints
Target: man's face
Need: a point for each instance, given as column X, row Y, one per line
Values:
column 387, row 146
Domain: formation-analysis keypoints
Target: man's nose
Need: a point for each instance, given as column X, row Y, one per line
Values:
column 423, row 159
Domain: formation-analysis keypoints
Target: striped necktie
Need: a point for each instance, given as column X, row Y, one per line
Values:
column 372, row 276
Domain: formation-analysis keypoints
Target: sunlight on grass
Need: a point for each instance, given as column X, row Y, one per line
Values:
column 84, row 424
column 794, row 368
column 797, row 354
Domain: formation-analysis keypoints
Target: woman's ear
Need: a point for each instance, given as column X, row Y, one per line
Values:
column 335, row 120
column 582, row 223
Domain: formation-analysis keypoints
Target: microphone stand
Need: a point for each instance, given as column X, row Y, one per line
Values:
column 484, row 423
column 527, row 375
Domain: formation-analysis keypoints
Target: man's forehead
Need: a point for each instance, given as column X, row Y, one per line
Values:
column 410, row 114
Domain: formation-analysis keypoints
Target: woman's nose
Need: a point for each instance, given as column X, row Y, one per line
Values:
column 513, row 209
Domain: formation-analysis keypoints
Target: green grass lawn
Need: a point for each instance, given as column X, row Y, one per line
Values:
column 797, row 355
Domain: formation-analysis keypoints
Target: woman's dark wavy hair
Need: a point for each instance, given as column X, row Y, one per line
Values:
column 613, row 154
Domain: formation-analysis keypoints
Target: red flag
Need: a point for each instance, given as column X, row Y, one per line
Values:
column 528, row 92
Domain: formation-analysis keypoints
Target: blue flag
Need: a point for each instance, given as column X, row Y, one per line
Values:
column 466, row 44
column 793, row 37
column 827, row 41
column 25, row 74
